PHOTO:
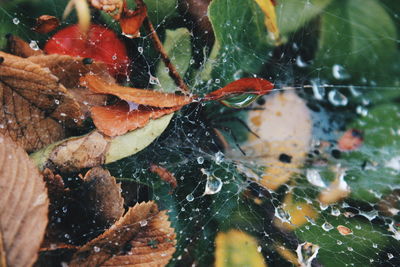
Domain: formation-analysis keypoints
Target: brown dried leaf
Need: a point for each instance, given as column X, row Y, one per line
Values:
column 70, row 69
column 23, row 205
column 78, row 153
column 35, row 106
column 138, row 96
column 46, row 24
column 143, row 227
column 102, row 196
column 87, row 99
column 19, row 47
column 132, row 20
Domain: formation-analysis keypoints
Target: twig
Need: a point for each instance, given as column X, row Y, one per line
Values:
column 173, row 73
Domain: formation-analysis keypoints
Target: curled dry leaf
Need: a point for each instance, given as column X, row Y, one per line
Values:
column 256, row 86
column 23, row 205
column 132, row 20
column 35, row 105
column 343, row 230
column 268, row 8
column 112, row 7
column 20, row 48
column 45, row 24
column 143, row 228
column 117, row 119
column 95, row 149
column 164, row 174
column 138, row 96
column 284, row 139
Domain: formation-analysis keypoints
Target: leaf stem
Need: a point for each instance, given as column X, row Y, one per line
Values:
column 173, row 73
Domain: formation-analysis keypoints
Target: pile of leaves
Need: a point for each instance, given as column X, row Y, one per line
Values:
column 202, row 163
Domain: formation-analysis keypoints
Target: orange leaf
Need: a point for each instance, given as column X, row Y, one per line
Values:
column 256, row 86
column 350, row 140
column 46, row 24
column 117, row 119
column 132, row 20
column 138, row 96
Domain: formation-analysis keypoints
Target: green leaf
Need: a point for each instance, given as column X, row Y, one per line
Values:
column 358, row 41
column 294, row 14
column 242, row 37
column 365, row 242
column 178, row 47
column 372, row 168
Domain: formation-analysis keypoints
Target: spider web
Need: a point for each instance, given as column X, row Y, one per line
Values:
column 220, row 186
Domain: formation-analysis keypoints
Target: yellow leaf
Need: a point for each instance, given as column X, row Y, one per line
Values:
column 268, row 8
column 298, row 211
column 236, row 249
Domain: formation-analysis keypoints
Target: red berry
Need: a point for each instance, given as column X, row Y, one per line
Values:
column 100, row 44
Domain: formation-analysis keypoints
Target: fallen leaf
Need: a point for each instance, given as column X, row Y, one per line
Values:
column 141, row 225
column 20, row 48
column 95, row 149
column 70, row 69
column 132, row 20
column 139, row 96
column 117, row 120
column 255, row 86
column 268, row 8
column 350, row 140
column 164, row 174
column 36, row 107
column 45, row 24
column 236, row 248
column 112, row 7
column 101, row 195
column 23, row 205
column 284, row 139
column 78, row 215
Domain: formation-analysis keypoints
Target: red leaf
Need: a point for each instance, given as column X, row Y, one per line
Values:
column 132, row 20
column 138, row 96
column 256, row 86
column 117, row 119
column 164, row 174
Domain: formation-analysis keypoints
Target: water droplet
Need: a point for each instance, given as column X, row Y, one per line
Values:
column 282, row 214
column 318, row 90
column 190, row 197
column 240, row 101
column 390, row 256
column 154, row 80
column 16, row 21
column 33, row 44
column 140, row 49
column 213, row 186
column 219, row 157
column 339, row 242
column 314, row 178
column 362, row 111
column 335, row 212
column 238, row 74
column 200, row 160
column 327, row 226
column 349, row 248
column 57, row 101
column 339, row 72
column 337, row 98
column 300, row 62
column 64, row 209
column 353, row 91
column 259, row 248
column 191, row 62
column 143, row 223
column 96, row 249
